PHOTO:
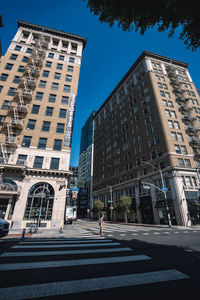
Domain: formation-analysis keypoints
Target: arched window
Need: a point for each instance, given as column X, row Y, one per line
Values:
column 40, row 202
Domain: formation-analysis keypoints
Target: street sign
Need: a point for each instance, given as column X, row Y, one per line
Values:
column 165, row 189
column 109, row 201
column 75, row 189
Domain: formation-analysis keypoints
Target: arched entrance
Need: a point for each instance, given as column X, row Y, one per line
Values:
column 40, row 202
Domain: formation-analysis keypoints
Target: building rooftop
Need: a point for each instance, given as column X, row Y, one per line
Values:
column 48, row 30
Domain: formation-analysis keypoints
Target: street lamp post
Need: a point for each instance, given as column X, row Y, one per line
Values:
column 111, row 206
column 163, row 189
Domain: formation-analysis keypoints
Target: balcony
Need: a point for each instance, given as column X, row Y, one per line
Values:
column 32, row 71
column 10, row 142
column 184, row 109
column 194, row 142
column 22, row 109
column 28, row 83
column 188, row 119
column 180, row 99
column 35, row 61
column 16, row 125
column 191, row 129
column 197, row 156
column 39, row 54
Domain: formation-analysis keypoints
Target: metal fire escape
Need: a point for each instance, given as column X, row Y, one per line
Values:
column 187, row 117
column 13, row 122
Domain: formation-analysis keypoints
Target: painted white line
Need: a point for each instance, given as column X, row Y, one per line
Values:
column 134, row 233
column 71, row 263
column 65, row 245
column 145, row 233
column 91, row 284
column 65, row 242
column 65, row 252
column 122, row 234
column 176, row 232
column 156, row 233
column 185, row 231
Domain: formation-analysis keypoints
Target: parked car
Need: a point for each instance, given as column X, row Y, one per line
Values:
column 4, row 227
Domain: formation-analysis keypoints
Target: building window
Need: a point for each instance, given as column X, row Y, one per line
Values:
column 3, row 77
column 71, row 59
column 48, row 64
column 11, row 91
column 21, row 159
column 26, row 141
column 177, row 148
column 181, row 162
column 21, row 69
column 180, row 137
column 18, row 48
column 187, row 163
column 16, row 79
column 49, row 111
column 62, row 113
column 54, row 86
column 13, row 57
column 42, row 84
column 183, row 150
column 35, row 109
column 1, row 87
column 65, row 100
column 46, row 126
column 57, row 145
column 54, row 163
column 1, row 120
column 68, row 78
column 60, row 128
column 70, row 68
column 8, row 66
column 39, row 96
column 66, row 88
column 45, row 73
column 61, row 57
column 31, row 124
column 38, row 162
column 25, row 59
column 52, row 98
column 29, row 50
column 42, row 143
column 59, row 66
column 5, row 105
column 57, row 75
column 51, row 55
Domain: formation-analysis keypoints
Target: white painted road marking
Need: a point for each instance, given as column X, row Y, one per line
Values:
column 91, row 284
column 66, row 252
column 65, row 245
column 64, row 242
column 71, row 263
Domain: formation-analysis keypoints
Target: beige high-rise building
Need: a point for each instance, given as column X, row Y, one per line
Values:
column 39, row 77
column 151, row 118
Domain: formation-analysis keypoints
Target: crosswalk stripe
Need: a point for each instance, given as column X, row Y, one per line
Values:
column 71, row 263
column 67, row 252
column 64, row 242
column 91, row 284
column 65, row 245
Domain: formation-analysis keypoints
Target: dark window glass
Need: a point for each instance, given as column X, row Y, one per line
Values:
column 49, row 111
column 35, row 109
column 62, row 113
column 54, row 163
column 46, row 126
column 42, row 143
column 31, row 124
column 26, row 141
column 38, row 162
column 60, row 128
column 57, row 145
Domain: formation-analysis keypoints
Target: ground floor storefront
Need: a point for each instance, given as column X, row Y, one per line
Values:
column 33, row 197
column 179, row 201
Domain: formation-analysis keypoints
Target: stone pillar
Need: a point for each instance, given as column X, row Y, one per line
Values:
column 59, row 206
column 155, row 211
column 137, row 200
column 8, row 208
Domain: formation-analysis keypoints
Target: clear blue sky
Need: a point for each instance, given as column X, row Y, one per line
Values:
column 108, row 55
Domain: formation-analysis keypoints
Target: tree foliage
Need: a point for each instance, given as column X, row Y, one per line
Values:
column 141, row 15
column 98, row 206
column 124, row 205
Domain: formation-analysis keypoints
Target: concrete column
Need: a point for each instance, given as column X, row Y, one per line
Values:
column 8, row 208
column 58, row 206
column 20, row 206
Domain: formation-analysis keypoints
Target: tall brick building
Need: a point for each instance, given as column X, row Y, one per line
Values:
column 39, row 76
column 152, row 117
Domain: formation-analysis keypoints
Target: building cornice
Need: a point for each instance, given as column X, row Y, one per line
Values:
column 52, row 31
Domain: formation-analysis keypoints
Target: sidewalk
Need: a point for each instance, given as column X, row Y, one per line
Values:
column 69, row 229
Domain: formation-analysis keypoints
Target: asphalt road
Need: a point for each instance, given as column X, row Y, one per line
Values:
column 129, row 261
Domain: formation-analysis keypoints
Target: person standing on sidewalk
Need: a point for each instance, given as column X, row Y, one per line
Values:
column 101, row 219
